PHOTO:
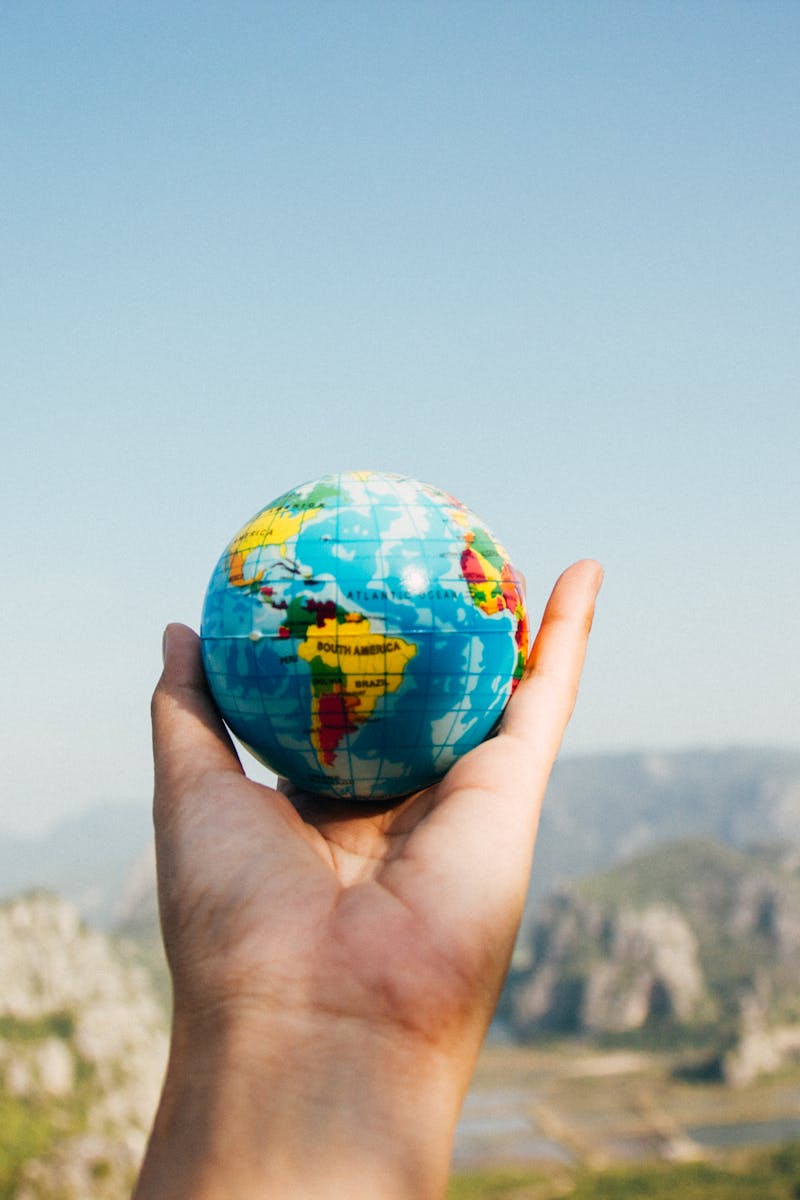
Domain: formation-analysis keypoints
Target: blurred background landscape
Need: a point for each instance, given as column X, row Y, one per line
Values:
column 546, row 257
column 652, row 1014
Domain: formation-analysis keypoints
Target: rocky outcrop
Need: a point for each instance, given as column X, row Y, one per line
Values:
column 690, row 936
column 757, row 1048
column 651, row 971
column 767, row 907
column 82, row 1050
column 598, row 971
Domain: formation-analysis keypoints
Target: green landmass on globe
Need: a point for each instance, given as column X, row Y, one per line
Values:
column 362, row 632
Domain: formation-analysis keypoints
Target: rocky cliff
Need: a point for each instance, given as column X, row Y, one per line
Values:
column 689, row 937
column 82, row 1052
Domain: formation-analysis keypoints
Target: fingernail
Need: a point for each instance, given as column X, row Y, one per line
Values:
column 164, row 639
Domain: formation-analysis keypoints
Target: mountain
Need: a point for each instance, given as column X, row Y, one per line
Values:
column 599, row 810
column 87, row 859
column 603, row 809
column 652, row 910
column 83, row 1047
column 689, row 936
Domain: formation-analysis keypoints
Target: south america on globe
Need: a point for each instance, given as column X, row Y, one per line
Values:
column 361, row 633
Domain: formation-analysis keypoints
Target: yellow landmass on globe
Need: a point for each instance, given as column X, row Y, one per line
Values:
column 351, row 667
column 272, row 527
column 486, row 585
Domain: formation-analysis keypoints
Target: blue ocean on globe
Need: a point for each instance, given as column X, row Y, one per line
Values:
column 361, row 633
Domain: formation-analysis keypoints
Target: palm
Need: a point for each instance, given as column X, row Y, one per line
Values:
column 406, row 915
column 358, row 915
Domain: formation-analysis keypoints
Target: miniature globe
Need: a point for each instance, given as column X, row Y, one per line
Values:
column 361, row 633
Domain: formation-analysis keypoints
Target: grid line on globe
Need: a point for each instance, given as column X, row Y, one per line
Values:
column 361, row 633
column 381, row 701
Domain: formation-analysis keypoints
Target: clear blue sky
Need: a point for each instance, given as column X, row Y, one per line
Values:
column 543, row 255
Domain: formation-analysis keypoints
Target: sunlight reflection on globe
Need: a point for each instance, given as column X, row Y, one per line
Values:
column 361, row 633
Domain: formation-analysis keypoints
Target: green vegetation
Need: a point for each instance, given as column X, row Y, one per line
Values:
column 60, row 1025
column 772, row 1175
column 504, row 1185
column 688, row 1182
column 26, row 1131
column 31, row 1124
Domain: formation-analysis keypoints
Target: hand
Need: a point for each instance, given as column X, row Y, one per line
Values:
column 335, row 968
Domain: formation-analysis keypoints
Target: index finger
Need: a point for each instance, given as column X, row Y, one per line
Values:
column 538, row 712
column 490, row 799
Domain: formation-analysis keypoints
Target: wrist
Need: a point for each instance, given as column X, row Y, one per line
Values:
column 310, row 1108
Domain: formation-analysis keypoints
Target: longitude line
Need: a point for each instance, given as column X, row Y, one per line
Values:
column 424, row 709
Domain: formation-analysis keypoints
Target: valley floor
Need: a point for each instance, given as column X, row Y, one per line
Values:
column 589, row 1108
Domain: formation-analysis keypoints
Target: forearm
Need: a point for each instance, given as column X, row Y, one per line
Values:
column 312, row 1114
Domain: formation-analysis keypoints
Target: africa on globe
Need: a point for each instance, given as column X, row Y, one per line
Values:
column 361, row 633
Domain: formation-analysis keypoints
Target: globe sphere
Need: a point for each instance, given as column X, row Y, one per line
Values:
column 361, row 633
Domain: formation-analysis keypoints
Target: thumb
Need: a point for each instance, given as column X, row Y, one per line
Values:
column 189, row 738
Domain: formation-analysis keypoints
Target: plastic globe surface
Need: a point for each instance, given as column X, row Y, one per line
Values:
column 361, row 633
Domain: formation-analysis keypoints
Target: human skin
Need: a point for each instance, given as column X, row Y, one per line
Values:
column 335, row 968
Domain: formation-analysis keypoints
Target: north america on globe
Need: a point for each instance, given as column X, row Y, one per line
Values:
column 361, row 633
